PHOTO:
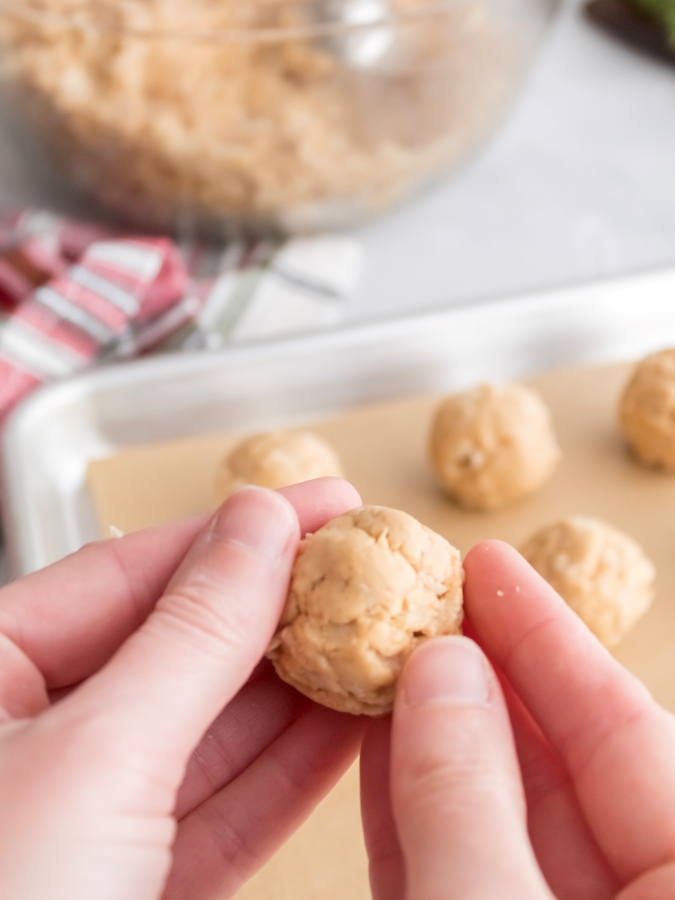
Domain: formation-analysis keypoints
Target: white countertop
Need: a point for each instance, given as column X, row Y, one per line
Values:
column 579, row 184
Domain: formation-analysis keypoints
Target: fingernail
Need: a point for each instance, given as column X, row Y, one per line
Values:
column 448, row 670
column 259, row 519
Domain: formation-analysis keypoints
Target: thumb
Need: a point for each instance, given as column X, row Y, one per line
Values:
column 163, row 688
column 456, row 790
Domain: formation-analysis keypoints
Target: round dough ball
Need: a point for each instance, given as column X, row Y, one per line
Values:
column 493, row 445
column 602, row 573
column 647, row 410
column 275, row 460
column 366, row 589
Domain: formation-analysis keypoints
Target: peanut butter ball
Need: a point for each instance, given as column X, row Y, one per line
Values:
column 647, row 411
column 366, row 589
column 600, row 572
column 493, row 445
column 275, row 460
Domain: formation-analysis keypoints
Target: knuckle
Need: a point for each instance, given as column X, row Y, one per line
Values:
column 463, row 758
column 230, row 842
column 293, row 776
column 136, row 586
column 219, row 601
column 200, row 613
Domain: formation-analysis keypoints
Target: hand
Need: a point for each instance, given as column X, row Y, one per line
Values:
column 560, row 782
column 169, row 743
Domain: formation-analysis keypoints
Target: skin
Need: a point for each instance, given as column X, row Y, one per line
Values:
column 146, row 753
column 525, row 763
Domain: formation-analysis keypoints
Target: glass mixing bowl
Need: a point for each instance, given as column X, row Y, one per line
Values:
column 296, row 115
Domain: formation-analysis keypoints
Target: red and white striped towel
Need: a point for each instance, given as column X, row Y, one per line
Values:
column 61, row 317
column 72, row 295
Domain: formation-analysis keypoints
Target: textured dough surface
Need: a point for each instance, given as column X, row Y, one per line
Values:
column 600, row 572
column 647, row 410
column 493, row 445
column 277, row 459
column 366, row 589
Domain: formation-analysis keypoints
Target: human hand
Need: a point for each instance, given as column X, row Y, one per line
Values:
column 175, row 751
column 558, row 782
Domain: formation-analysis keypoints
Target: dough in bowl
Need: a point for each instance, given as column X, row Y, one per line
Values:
column 275, row 460
column 647, row 410
column 493, row 445
column 366, row 589
column 600, row 572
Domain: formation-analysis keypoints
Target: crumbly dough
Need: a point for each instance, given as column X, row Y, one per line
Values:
column 366, row 589
column 493, row 445
column 647, row 411
column 275, row 460
column 602, row 573
column 156, row 122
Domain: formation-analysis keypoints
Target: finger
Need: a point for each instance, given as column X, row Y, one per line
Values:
column 317, row 502
column 23, row 692
column 657, row 884
column 255, row 718
column 387, row 872
column 226, row 840
column 456, row 792
column 566, row 851
column 168, row 682
column 71, row 617
column 615, row 742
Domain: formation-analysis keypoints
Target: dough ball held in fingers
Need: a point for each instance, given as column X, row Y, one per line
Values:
column 366, row 589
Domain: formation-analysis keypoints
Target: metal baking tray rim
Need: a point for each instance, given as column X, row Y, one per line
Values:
column 50, row 439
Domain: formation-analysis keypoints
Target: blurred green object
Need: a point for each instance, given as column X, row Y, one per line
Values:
column 664, row 11
column 646, row 25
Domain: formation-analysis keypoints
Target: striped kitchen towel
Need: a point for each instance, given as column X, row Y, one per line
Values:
column 74, row 295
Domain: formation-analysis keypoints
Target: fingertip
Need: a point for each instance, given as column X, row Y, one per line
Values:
column 448, row 670
column 328, row 489
column 258, row 518
column 276, row 498
column 490, row 552
column 496, row 570
column 317, row 502
column 505, row 597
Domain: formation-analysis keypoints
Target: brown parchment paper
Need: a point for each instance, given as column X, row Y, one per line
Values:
column 383, row 449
